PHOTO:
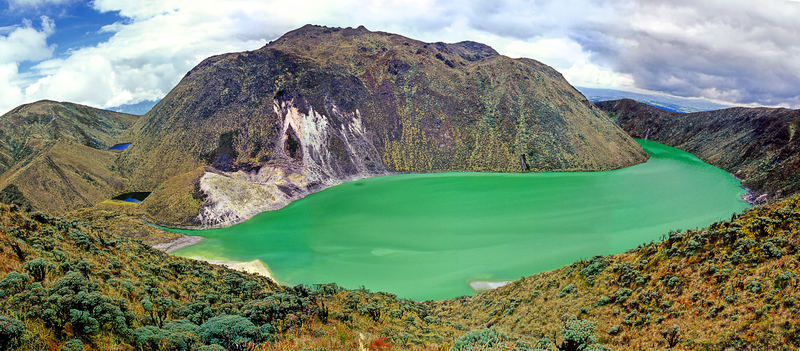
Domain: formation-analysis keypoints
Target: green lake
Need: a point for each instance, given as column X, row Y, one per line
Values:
column 427, row 236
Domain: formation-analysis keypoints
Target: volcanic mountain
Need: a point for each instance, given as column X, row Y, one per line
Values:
column 251, row 131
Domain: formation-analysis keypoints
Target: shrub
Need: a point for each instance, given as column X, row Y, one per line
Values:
column 148, row 338
column 628, row 275
column 754, row 286
column 595, row 267
column 177, row 335
column 83, row 323
column 11, row 331
column 671, row 336
column 233, row 332
column 566, row 290
column 370, row 310
column 622, row 294
column 487, row 339
column 578, row 335
column 73, row 345
column 673, row 282
column 782, row 280
column 770, row 250
column 14, row 282
column 38, row 268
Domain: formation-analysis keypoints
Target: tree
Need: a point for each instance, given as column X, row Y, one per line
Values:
column 11, row 332
column 232, row 332
column 38, row 268
column 671, row 336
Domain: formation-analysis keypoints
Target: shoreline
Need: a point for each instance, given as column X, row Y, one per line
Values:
column 338, row 182
column 750, row 196
column 479, row 286
column 253, row 267
column 181, row 242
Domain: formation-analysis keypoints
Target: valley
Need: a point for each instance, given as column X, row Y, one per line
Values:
column 427, row 236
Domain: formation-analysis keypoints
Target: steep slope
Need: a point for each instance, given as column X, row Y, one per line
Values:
column 731, row 286
column 323, row 105
column 64, row 176
column 53, row 155
column 64, row 282
column 30, row 128
column 757, row 145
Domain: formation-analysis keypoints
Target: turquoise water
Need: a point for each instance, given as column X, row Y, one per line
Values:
column 426, row 236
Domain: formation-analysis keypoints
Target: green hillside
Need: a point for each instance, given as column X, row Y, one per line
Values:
column 54, row 155
column 757, row 145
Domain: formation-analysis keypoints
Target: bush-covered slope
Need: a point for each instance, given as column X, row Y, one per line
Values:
column 66, row 283
column 757, row 145
column 731, row 286
column 324, row 105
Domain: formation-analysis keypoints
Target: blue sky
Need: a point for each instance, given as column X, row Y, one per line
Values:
column 107, row 53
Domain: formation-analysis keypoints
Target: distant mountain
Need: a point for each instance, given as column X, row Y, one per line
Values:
column 54, row 155
column 138, row 108
column 669, row 103
column 247, row 132
column 757, row 145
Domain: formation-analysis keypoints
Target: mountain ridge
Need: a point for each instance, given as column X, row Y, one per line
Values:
column 321, row 105
column 54, row 155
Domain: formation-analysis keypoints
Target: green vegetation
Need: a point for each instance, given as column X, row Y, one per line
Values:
column 68, row 285
column 85, row 281
column 731, row 285
column 54, row 157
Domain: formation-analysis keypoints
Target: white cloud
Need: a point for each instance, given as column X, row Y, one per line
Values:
column 147, row 55
column 727, row 50
column 21, row 4
column 26, row 43
column 20, row 44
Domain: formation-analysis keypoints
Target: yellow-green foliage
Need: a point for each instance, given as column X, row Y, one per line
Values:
column 65, row 176
column 175, row 201
column 123, row 219
column 30, row 128
column 54, row 155
column 733, row 285
column 67, row 279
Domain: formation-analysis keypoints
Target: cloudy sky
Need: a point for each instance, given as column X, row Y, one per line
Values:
column 107, row 53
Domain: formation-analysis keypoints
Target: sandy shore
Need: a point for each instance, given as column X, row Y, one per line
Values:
column 179, row 243
column 480, row 285
column 254, row 266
